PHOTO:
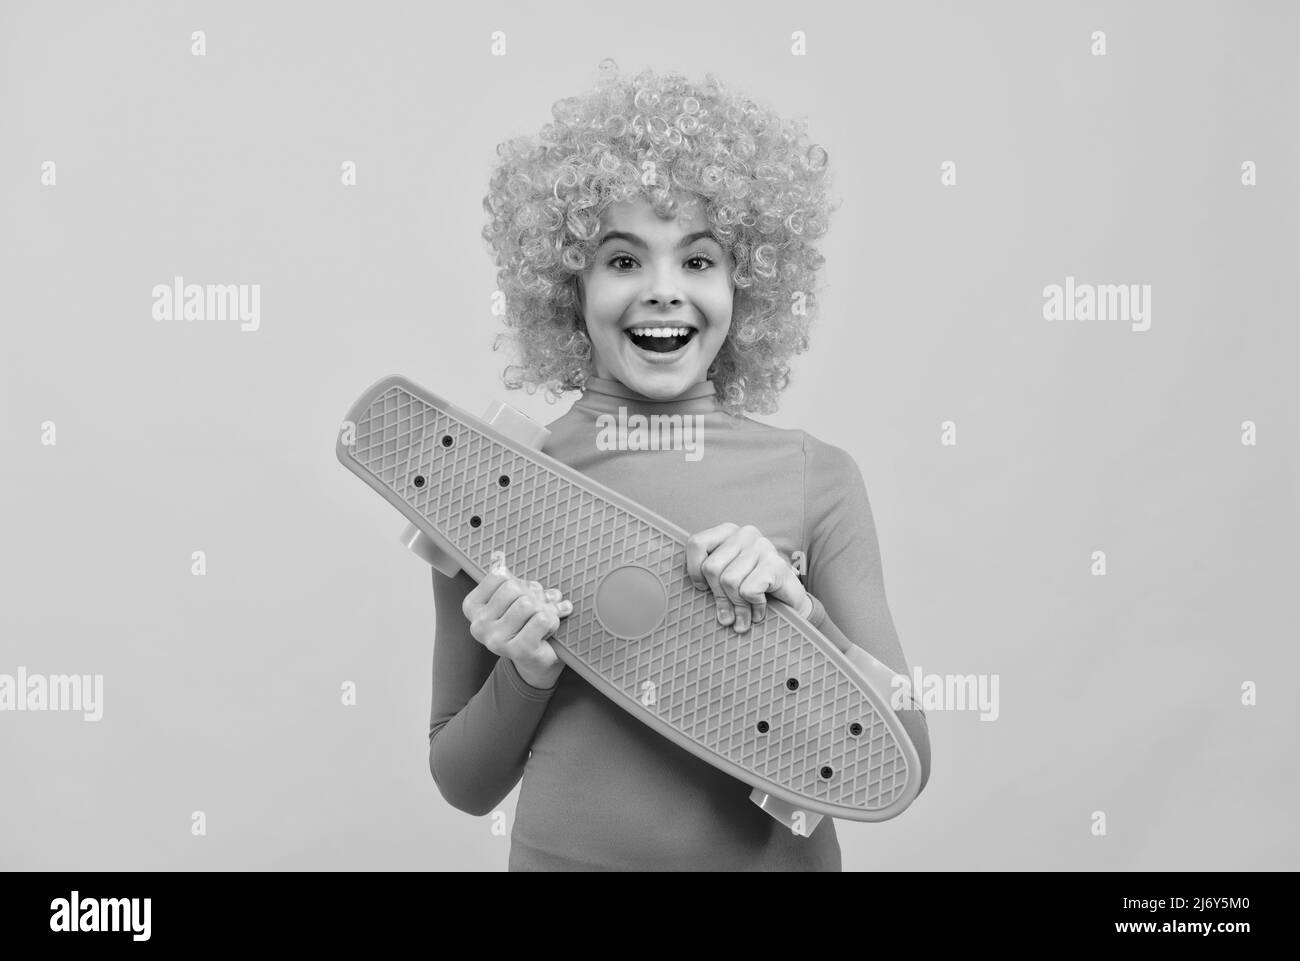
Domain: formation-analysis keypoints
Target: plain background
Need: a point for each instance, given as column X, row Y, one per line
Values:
column 1119, row 693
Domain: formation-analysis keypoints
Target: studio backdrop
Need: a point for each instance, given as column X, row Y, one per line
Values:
column 1057, row 333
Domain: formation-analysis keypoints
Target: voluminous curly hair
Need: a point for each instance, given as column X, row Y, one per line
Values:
column 766, row 193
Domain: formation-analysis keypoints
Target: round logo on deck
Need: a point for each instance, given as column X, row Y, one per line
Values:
column 630, row 602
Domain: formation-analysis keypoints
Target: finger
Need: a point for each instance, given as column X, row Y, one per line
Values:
column 754, row 590
column 711, row 570
column 509, row 591
column 552, row 594
column 483, row 591
column 564, row 608
column 732, row 578
column 727, row 566
column 518, row 614
column 699, row 546
column 530, row 639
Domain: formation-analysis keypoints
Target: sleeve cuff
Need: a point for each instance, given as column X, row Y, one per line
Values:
column 523, row 687
column 817, row 618
column 818, row 612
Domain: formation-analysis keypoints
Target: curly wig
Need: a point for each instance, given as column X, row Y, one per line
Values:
column 766, row 200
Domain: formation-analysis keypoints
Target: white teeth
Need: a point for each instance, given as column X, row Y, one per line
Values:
column 662, row 331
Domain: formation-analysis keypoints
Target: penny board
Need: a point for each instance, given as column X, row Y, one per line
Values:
column 778, row 707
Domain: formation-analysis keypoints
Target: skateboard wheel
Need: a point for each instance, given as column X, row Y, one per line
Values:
column 785, row 812
column 517, row 426
column 439, row 559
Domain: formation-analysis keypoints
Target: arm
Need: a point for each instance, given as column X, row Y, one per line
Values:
column 484, row 713
column 845, row 577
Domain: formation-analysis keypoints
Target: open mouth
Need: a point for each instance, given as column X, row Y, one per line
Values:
column 661, row 340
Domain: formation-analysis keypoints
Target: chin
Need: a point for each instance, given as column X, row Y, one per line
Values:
column 661, row 386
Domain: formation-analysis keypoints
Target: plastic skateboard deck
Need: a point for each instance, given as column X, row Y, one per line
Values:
column 779, row 707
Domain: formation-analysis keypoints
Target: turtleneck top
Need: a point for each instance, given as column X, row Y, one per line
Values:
column 600, row 790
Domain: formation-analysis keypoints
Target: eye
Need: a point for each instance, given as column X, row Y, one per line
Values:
column 616, row 262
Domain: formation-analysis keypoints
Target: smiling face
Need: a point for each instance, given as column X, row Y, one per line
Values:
column 665, row 276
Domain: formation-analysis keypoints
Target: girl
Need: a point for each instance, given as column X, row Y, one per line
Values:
column 656, row 252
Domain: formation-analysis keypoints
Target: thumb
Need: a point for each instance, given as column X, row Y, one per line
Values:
column 789, row 588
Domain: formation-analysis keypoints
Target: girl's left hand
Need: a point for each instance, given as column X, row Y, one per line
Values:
column 741, row 567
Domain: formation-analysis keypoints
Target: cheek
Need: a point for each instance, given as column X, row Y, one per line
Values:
column 605, row 301
column 720, row 305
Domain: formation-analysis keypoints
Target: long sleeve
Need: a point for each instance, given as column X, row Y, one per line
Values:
column 484, row 714
column 845, row 575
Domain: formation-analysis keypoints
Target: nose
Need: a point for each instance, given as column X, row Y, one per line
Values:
column 667, row 300
column 663, row 290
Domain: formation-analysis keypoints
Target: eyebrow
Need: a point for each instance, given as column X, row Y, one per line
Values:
column 633, row 238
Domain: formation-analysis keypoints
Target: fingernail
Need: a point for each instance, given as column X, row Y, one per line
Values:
column 724, row 617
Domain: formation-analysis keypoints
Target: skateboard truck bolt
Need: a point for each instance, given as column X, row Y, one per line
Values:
column 519, row 428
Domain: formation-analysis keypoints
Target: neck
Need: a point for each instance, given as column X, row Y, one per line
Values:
column 605, row 396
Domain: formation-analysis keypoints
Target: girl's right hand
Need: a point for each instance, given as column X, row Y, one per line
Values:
column 512, row 618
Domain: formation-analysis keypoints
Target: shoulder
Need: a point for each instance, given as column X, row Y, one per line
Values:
column 567, row 419
column 826, row 465
column 836, row 504
column 787, row 438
